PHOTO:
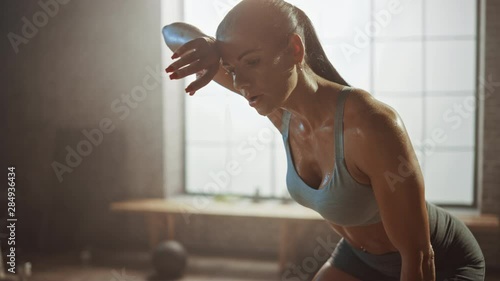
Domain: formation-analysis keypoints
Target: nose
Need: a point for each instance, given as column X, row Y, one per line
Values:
column 240, row 82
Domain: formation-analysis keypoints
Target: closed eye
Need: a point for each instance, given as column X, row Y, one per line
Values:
column 253, row 62
column 230, row 69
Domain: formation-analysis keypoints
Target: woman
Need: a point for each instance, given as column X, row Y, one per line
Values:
column 349, row 155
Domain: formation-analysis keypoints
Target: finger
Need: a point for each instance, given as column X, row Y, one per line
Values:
column 183, row 61
column 201, row 73
column 190, row 45
column 202, row 81
column 190, row 69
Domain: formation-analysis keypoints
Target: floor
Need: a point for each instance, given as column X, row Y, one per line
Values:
column 137, row 267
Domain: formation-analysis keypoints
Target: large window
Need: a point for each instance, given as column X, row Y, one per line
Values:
column 418, row 56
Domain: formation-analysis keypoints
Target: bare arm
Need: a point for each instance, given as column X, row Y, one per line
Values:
column 387, row 156
column 178, row 33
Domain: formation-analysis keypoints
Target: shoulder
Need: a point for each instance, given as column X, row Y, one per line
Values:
column 377, row 135
column 365, row 114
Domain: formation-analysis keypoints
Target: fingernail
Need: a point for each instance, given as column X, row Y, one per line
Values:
column 189, row 89
column 169, row 69
column 174, row 75
column 175, row 55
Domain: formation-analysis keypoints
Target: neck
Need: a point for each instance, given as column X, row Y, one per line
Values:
column 311, row 100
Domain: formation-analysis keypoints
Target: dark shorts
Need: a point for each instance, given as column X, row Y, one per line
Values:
column 457, row 253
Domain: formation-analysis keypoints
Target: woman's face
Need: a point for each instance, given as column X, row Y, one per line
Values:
column 260, row 65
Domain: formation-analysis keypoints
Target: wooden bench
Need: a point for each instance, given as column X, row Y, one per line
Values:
column 160, row 211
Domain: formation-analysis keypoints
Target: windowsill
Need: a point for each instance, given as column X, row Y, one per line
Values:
column 276, row 209
column 463, row 211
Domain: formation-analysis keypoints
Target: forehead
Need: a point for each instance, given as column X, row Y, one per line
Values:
column 250, row 26
column 233, row 43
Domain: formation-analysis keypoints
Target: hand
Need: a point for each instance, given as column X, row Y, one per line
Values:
column 198, row 56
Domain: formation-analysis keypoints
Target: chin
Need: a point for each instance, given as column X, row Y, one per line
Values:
column 262, row 112
column 265, row 111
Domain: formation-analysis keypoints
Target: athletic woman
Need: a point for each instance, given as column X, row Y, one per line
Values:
column 349, row 155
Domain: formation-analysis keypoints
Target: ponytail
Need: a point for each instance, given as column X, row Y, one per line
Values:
column 315, row 56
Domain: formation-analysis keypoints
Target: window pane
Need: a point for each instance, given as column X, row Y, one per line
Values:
column 429, row 81
column 398, row 67
column 206, row 15
column 450, row 17
column 450, row 65
column 206, row 170
column 244, row 123
column 351, row 63
column 398, row 18
column 206, row 118
column 341, row 19
column 254, row 162
column 450, row 121
column 280, row 170
column 449, row 177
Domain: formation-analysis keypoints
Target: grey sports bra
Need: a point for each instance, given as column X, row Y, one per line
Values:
column 343, row 200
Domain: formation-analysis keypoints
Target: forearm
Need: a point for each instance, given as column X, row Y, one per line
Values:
column 178, row 33
column 418, row 267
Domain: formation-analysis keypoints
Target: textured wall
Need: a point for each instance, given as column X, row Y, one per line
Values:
column 73, row 71
column 491, row 130
column 491, row 148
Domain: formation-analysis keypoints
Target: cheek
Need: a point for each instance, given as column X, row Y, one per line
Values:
column 278, row 77
column 274, row 83
column 284, row 81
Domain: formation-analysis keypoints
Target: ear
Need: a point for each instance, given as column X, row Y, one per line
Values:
column 297, row 48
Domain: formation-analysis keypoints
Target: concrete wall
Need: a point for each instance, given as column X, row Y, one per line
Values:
column 73, row 71
column 491, row 90
column 489, row 143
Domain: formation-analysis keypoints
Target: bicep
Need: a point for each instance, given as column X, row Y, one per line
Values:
column 397, row 181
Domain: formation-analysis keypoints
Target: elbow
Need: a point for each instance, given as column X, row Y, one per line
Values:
column 175, row 27
column 168, row 29
column 169, row 33
column 166, row 32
